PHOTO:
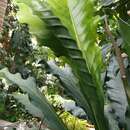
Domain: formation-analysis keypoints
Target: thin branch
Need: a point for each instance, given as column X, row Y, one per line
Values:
column 119, row 59
column 117, row 50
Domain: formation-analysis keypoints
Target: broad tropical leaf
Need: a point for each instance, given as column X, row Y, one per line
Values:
column 24, row 99
column 74, row 123
column 36, row 27
column 2, row 102
column 83, row 63
column 36, row 98
column 61, row 10
column 69, row 82
column 116, row 94
column 85, row 23
column 113, row 124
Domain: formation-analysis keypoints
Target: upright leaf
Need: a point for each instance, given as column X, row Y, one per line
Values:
column 60, row 9
column 83, row 63
column 85, row 23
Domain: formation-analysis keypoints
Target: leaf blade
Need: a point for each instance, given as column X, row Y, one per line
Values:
column 36, row 98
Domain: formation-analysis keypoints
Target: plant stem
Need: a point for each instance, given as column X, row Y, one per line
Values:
column 117, row 51
column 119, row 60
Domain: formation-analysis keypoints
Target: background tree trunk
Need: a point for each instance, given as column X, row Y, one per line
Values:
column 3, row 5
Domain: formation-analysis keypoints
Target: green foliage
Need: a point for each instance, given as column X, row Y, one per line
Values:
column 69, row 28
column 2, row 103
column 36, row 26
column 114, row 88
column 21, row 40
column 60, row 41
column 63, row 14
column 125, row 31
column 36, row 98
column 85, row 21
column 70, row 84
column 73, row 123
column 24, row 99
column 108, row 2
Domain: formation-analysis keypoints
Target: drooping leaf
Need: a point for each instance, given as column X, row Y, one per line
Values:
column 36, row 98
column 25, row 15
column 61, row 10
column 24, row 99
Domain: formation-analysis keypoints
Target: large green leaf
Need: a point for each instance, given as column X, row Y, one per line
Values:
column 60, row 9
column 70, row 84
column 86, row 64
column 113, row 124
column 36, row 98
column 85, row 23
column 24, row 99
column 116, row 94
column 25, row 15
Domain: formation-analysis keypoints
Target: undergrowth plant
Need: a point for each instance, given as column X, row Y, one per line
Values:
column 92, row 39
